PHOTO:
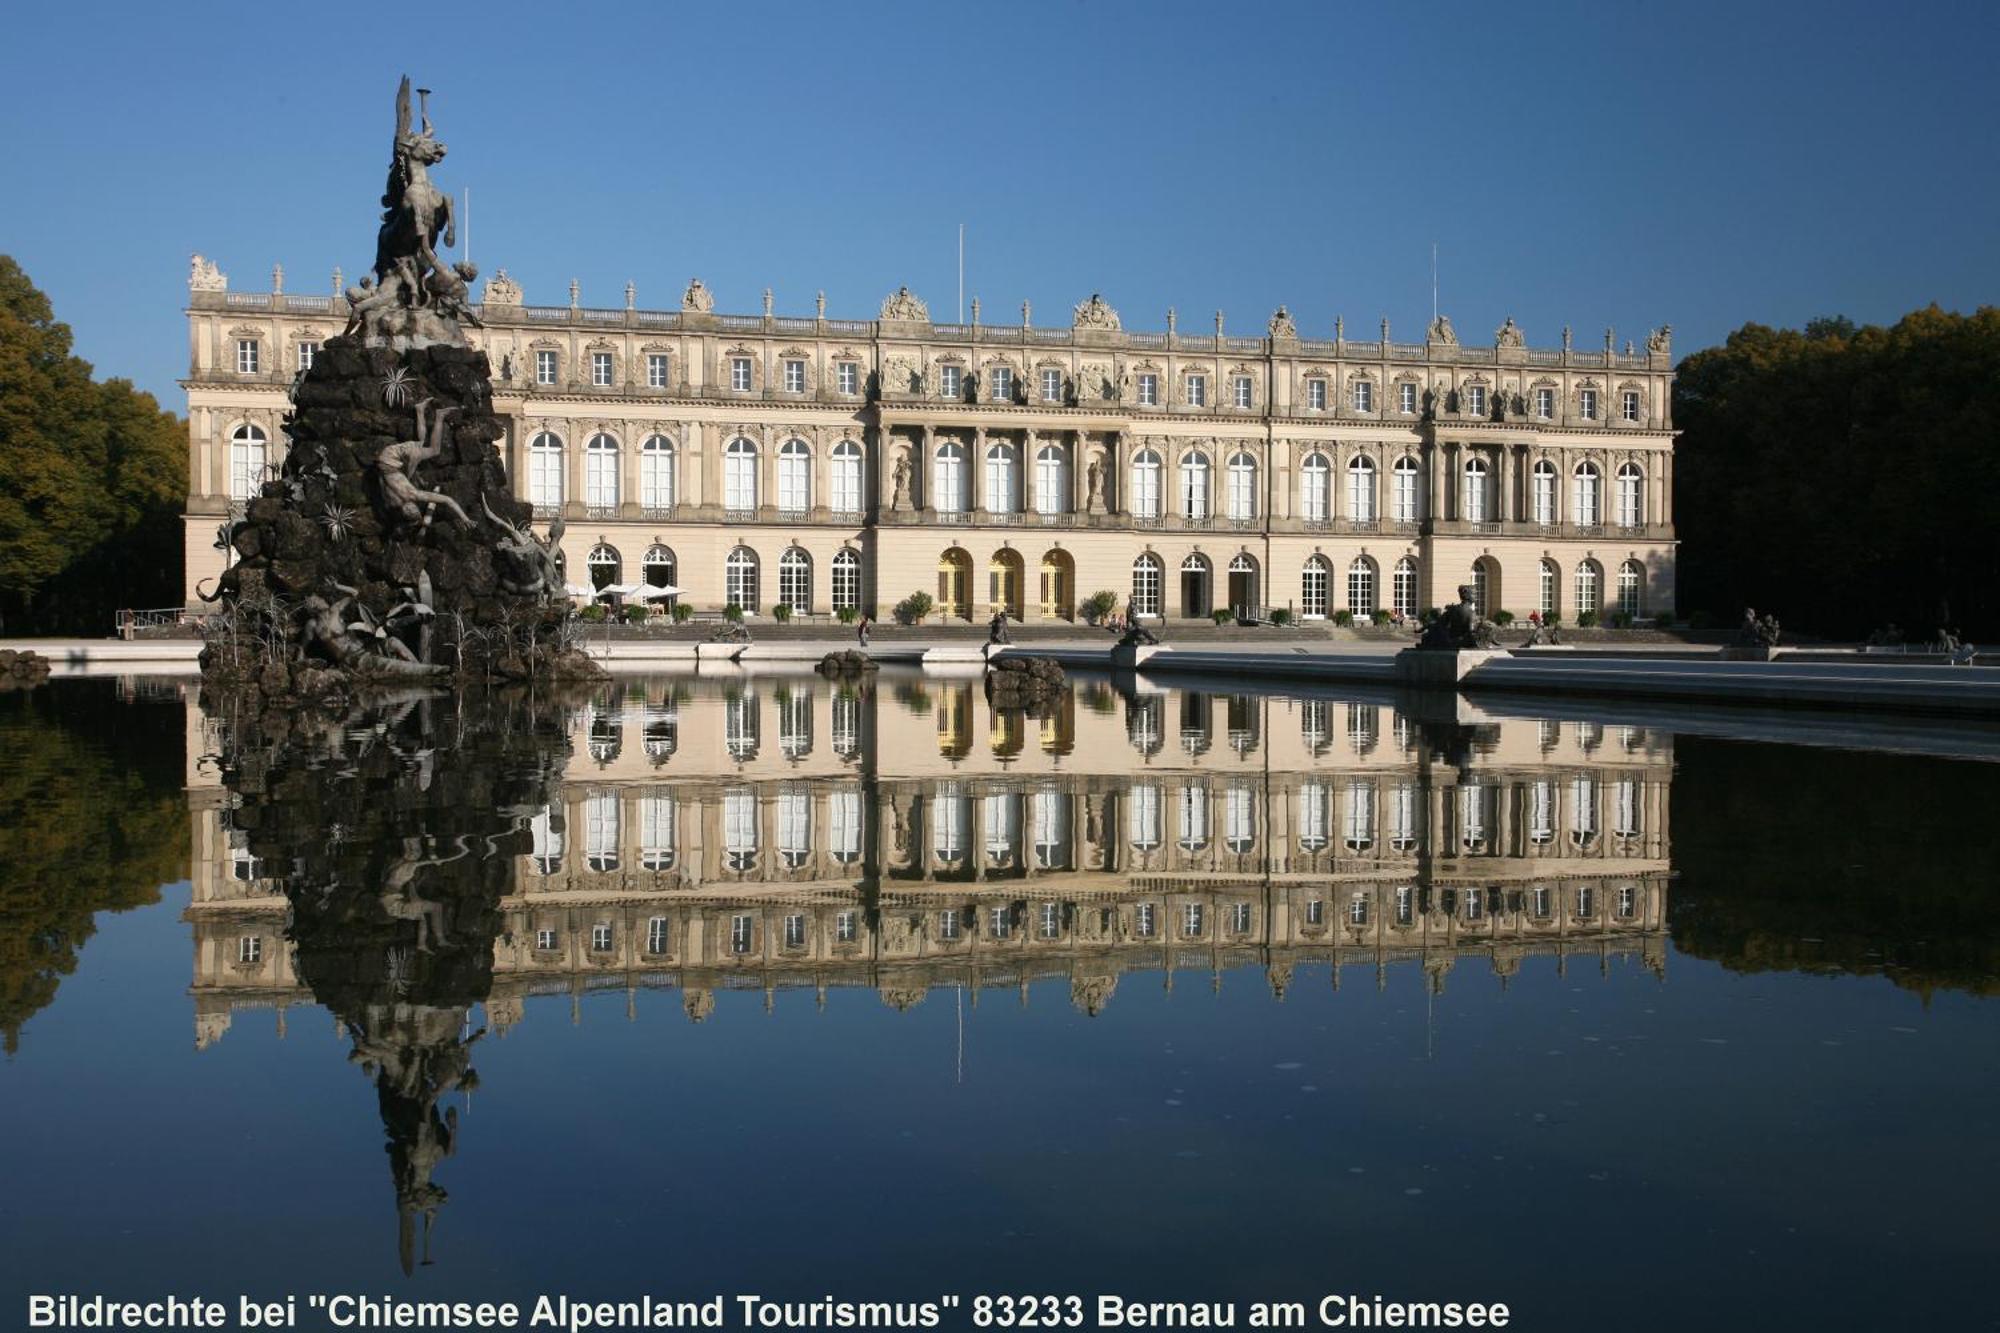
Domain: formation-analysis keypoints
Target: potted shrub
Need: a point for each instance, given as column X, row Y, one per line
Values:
column 1281, row 616
column 1503, row 618
column 912, row 609
column 594, row 613
column 847, row 615
column 1222, row 615
column 1344, row 618
column 733, row 613
column 635, row 615
column 1097, row 606
column 682, row 613
column 1380, row 617
column 1587, row 619
column 782, row 613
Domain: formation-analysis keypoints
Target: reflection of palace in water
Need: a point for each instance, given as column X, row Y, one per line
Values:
column 761, row 834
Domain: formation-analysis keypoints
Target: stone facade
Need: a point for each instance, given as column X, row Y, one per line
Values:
column 1022, row 466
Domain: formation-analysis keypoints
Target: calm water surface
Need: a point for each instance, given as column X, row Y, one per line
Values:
column 699, row 987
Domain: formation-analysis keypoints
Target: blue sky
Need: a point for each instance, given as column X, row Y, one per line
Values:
column 1594, row 164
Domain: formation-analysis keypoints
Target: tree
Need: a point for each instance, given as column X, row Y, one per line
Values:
column 1843, row 478
column 95, row 474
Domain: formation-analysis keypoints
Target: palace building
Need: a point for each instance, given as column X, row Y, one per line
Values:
column 827, row 464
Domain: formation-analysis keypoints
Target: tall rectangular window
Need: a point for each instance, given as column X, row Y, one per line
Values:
column 1052, row 386
column 656, row 370
column 1629, row 406
column 600, row 369
column 1243, row 391
column 1002, row 383
column 1364, row 396
column 1586, row 402
column 307, row 351
column 1316, row 394
column 656, row 935
column 1149, row 391
column 850, row 378
column 1406, row 398
column 1475, row 399
column 739, row 374
column 1545, row 403
column 950, row 383
column 545, row 367
column 795, row 377
column 246, row 356
column 1197, row 391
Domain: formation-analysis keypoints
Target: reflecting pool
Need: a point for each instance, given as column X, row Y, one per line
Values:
column 765, row 984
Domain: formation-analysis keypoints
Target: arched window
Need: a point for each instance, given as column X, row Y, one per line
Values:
column 1407, row 509
column 847, row 477
column 1003, row 478
column 600, row 472
column 948, row 479
column 954, row 594
column 1194, row 486
column 1004, row 577
column 1403, row 588
column 1146, row 484
column 1315, row 483
column 1146, row 585
column 739, row 476
column 1197, row 596
column 1361, row 587
column 1586, row 588
column 601, row 831
column 1361, row 489
column 1544, row 498
column 1313, row 801
column 1142, row 818
column 795, row 580
column 1631, row 496
column 1243, row 590
column 604, row 565
column 1313, row 589
column 1242, row 487
column 1477, row 497
column 794, row 477
column 1358, row 819
column 846, row 580
column 545, row 471
column 739, row 579
column 246, row 462
column 1193, row 818
column 659, row 567
column 1550, row 600
column 1051, row 480
column 656, row 474
column 1589, row 495
column 1482, row 587
column 1631, row 582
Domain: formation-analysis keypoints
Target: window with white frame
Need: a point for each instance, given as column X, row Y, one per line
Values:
column 1589, row 504
column 246, row 462
column 846, row 477
column 1315, row 483
column 1313, row 588
column 1002, row 478
column 1313, row 820
column 1197, row 390
column 603, row 564
column 1586, row 404
column 795, row 830
column 795, row 584
column 656, row 474
column 739, row 374
column 1242, row 487
column 1149, row 390
column 600, row 369
column 1316, row 394
column 795, row 376
column 1547, row 600
column 1545, row 404
column 739, row 579
column 1631, row 495
column 794, row 477
column 846, row 580
column 1243, row 391
column 601, row 827
column 1239, row 819
column 1631, row 583
column 1542, row 497
column 656, row 370
column 1403, row 588
column 948, row 924
column 1406, row 398
column 656, row 935
column 1475, row 399
column 847, row 374
column 600, row 472
column 742, row 927
column 1586, row 588
column 1145, row 500
column 1361, row 489
column 1358, row 816
column 1476, row 496
column 1142, row 818
column 950, row 380
column 1052, row 379
column 843, row 816
column 1361, row 587
column 1193, row 822
column 1051, row 479
column 250, row 949
column 307, row 351
column 1146, row 580
column 1193, row 921
column 1194, row 486
column 545, row 471
column 948, row 479
column 1364, row 395
column 1628, row 405
column 248, row 352
column 1405, row 490
column 1625, row 820
column 1000, row 383
column 739, row 476
column 1145, row 924
column 845, row 926
column 546, row 366
column 600, row 937
column 547, row 940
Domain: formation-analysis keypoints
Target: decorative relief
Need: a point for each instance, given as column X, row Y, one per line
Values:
column 1093, row 383
column 697, row 299
column 904, row 305
column 1282, row 325
column 502, row 290
column 1660, row 341
column 899, row 375
column 1509, row 335
column 1095, row 314
column 204, row 276
column 1441, row 332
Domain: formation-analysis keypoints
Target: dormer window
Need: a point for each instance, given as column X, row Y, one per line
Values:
column 1475, row 399
column 1545, row 403
column 1628, row 408
column 849, row 377
column 1001, row 381
column 1149, row 391
column 1364, row 396
column 1406, row 398
column 1586, row 404
column 656, row 370
column 307, row 351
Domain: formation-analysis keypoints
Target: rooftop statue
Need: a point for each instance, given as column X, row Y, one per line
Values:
column 903, row 304
column 1095, row 314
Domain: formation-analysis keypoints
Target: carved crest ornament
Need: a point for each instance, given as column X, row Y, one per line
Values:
column 204, row 276
column 906, row 306
column 1441, row 332
column 1095, row 314
column 1509, row 335
column 1282, row 325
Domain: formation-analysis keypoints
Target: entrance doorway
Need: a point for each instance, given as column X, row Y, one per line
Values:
column 1058, row 586
column 1196, row 579
column 954, row 596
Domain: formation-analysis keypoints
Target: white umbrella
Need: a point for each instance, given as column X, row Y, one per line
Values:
column 580, row 590
column 653, row 592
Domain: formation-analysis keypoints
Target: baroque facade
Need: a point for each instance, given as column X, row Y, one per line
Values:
column 827, row 463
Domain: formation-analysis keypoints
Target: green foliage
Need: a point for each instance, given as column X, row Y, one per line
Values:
column 1099, row 605
column 635, row 615
column 595, row 613
column 1343, row 617
column 782, row 612
column 1380, row 616
column 1222, row 615
column 1841, row 477
column 1503, row 617
column 1281, row 616
column 912, row 609
column 733, row 613
column 94, row 478
column 1429, row 615
column 847, row 615
column 1586, row 619
column 682, row 613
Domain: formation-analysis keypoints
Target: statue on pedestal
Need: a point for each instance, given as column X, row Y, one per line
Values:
column 1459, row 627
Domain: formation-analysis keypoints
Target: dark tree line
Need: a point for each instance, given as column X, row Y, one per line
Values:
column 93, row 476
column 1844, row 478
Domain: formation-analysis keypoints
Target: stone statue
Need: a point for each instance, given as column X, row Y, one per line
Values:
column 899, row 477
column 416, row 217
column 326, row 624
column 530, row 566
column 450, row 292
column 1095, row 314
column 904, row 305
column 1660, row 342
column 502, row 290
column 204, row 276
column 899, row 374
column 1756, row 631
column 1093, row 480
column 1282, row 325
column 1441, row 332
column 396, row 467
column 1509, row 335
column 506, row 360
column 697, row 299
column 1459, row 627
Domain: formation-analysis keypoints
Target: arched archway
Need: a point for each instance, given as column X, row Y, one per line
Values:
column 954, row 595
column 1058, row 586
column 604, row 566
column 1003, row 583
column 1197, row 583
column 1244, row 592
column 1486, row 586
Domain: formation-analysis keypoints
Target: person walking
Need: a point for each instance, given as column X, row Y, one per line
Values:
column 861, row 629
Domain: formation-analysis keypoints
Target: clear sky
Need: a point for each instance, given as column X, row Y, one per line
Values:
column 1599, row 164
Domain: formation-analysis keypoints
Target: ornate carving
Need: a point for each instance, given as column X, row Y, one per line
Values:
column 697, row 299
column 1095, row 314
column 1660, row 342
column 416, row 299
column 1282, row 325
column 1509, row 335
column 1093, row 384
column 1441, row 332
column 906, row 306
column 899, row 374
column 204, row 276
column 502, row 290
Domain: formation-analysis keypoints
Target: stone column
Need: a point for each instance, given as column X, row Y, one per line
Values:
column 925, row 470
column 573, row 442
